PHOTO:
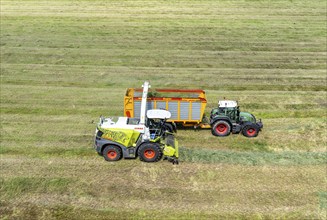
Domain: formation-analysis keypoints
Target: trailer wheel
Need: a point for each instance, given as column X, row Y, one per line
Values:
column 150, row 152
column 168, row 127
column 112, row 153
column 250, row 131
column 221, row 128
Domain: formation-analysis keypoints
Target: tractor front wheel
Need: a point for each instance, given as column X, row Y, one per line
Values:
column 250, row 131
column 221, row 128
column 112, row 153
column 150, row 152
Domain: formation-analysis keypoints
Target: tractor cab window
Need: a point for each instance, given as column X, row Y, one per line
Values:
column 221, row 110
column 230, row 112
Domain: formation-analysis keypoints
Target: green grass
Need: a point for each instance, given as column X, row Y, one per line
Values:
column 19, row 185
column 65, row 63
column 190, row 189
column 252, row 158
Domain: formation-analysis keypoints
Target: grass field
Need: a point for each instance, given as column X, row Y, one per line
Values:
column 64, row 63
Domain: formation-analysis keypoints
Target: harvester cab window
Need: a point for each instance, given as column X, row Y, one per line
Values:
column 133, row 121
column 155, row 126
column 153, row 123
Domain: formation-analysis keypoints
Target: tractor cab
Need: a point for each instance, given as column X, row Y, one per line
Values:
column 228, row 118
column 227, row 108
column 230, row 109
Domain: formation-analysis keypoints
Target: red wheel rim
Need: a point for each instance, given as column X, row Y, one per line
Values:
column 112, row 154
column 221, row 128
column 149, row 153
column 251, row 131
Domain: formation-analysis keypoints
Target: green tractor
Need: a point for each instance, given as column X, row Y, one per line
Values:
column 144, row 137
column 228, row 118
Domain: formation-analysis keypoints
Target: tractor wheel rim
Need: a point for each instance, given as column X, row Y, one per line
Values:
column 112, row 154
column 149, row 153
column 221, row 128
column 251, row 131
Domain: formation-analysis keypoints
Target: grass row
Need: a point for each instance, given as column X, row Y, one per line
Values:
column 252, row 158
column 181, row 59
column 187, row 155
column 33, row 211
column 190, row 190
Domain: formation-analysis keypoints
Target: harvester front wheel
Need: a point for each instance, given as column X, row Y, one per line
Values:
column 250, row 131
column 112, row 153
column 221, row 128
column 150, row 152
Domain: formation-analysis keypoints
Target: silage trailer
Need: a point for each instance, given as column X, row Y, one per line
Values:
column 187, row 106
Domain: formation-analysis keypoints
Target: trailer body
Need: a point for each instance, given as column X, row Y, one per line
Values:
column 186, row 106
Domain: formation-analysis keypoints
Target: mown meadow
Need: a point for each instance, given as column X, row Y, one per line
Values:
column 65, row 63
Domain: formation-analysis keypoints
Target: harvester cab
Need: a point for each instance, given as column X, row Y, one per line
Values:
column 156, row 119
column 228, row 118
column 131, row 137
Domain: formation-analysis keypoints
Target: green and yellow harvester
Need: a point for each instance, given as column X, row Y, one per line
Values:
column 144, row 137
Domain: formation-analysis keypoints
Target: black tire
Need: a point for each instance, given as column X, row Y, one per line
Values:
column 149, row 152
column 112, row 153
column 168, row 127
column 250, row 131
column 221, row 128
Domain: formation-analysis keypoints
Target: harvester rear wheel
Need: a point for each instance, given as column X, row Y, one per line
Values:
column 150, row 152
column 221, row 128
column 112, row 153
column 250, row 131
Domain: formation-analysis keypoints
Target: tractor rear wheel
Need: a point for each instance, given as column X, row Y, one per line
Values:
column 221, row 128
column 112, row 153
column 150, row 152
column 250, row 131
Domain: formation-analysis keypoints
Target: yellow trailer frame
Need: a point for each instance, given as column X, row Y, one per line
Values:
column 186, row 106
